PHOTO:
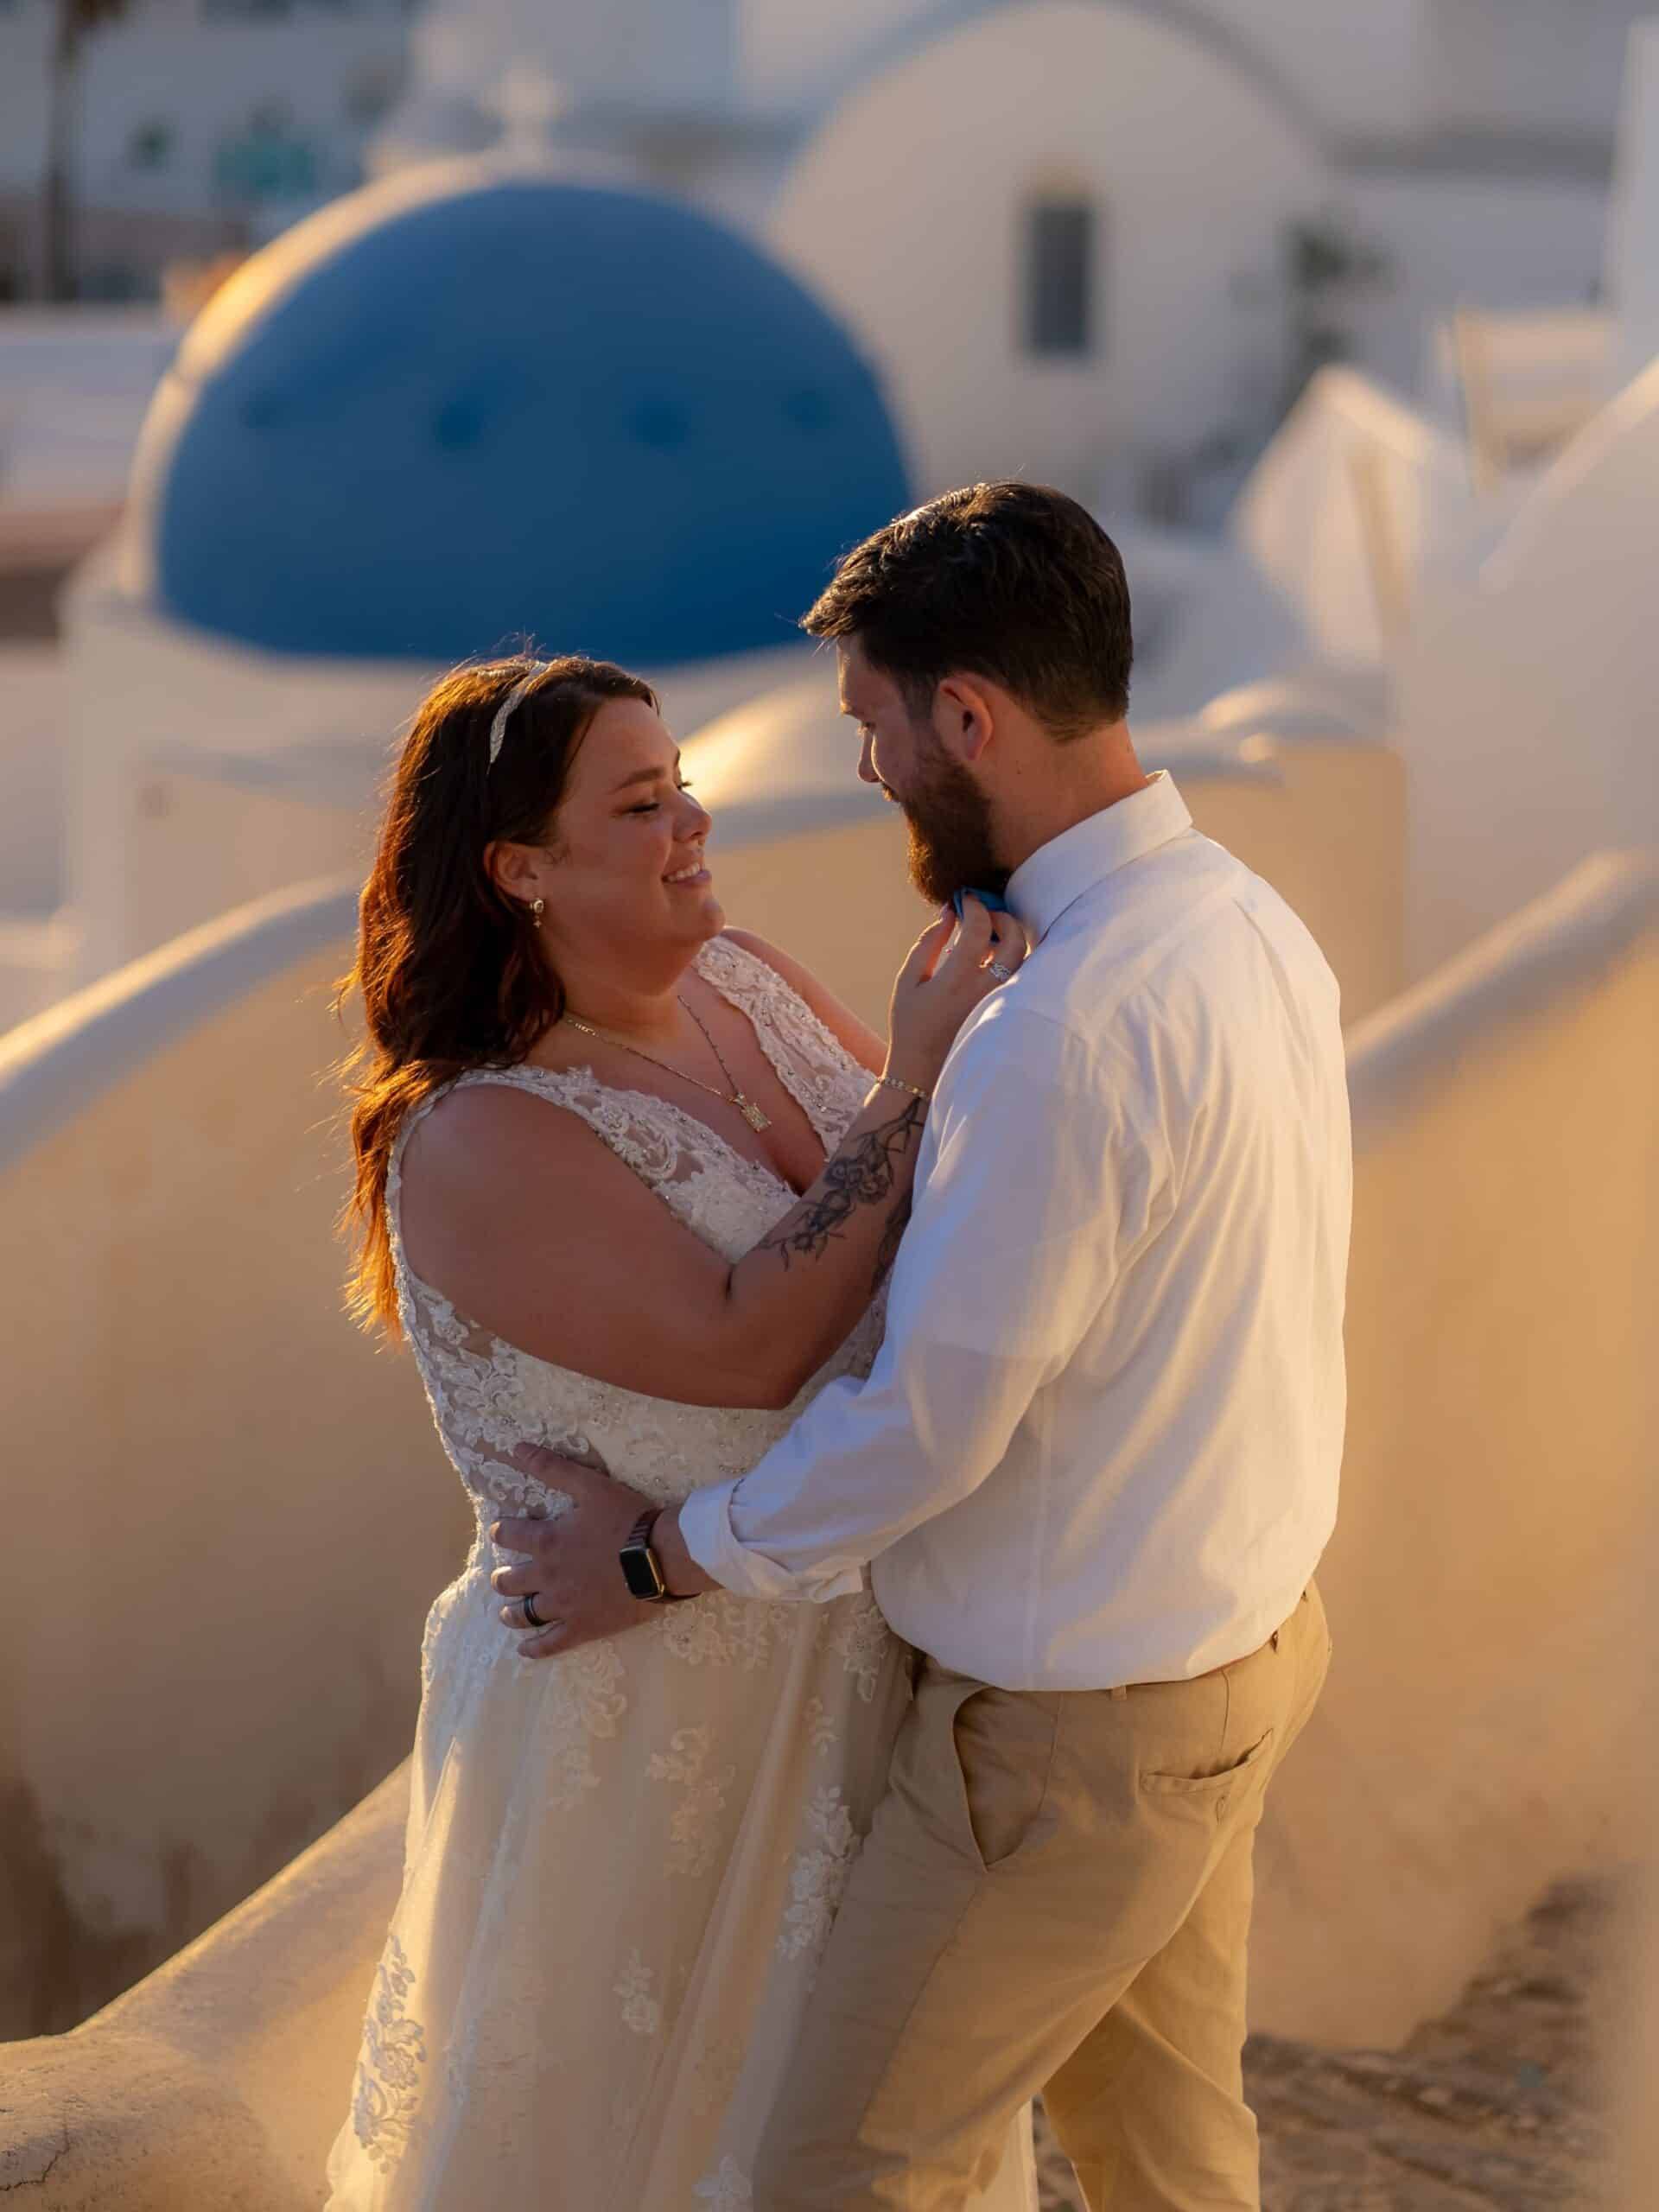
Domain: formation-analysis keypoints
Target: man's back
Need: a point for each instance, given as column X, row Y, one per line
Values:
column 1169, row 1070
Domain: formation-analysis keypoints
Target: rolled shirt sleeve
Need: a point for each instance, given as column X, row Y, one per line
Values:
column 1033, row 1183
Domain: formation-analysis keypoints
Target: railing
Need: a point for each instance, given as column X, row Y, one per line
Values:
column 186, row 1402
column 63, row 1060
column 1490, row 1573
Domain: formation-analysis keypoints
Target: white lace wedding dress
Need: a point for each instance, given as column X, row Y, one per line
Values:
column 620, row 1865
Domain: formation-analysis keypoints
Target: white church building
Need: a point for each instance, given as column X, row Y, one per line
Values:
column 1092, row 241
column 1098, row 240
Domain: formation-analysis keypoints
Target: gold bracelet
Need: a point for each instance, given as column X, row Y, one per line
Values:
column 898, row 1083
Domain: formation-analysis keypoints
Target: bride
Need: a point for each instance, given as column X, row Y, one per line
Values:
column 629, row 1183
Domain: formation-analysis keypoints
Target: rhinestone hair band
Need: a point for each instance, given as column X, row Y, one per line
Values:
column 503, row 712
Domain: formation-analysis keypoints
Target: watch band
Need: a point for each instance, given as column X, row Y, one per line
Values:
column 639, row 1548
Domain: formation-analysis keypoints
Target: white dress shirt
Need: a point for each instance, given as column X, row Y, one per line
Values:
column 1100, row 1444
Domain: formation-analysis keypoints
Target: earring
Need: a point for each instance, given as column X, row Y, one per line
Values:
column 538, row 908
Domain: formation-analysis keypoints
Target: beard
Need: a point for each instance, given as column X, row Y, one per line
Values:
column 948, row 821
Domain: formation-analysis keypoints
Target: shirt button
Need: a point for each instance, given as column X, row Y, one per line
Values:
column 1221, row 1806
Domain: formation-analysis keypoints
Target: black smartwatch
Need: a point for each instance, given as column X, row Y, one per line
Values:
column 641, row 1569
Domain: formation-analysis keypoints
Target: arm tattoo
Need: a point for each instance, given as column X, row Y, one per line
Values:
column 860, row 1174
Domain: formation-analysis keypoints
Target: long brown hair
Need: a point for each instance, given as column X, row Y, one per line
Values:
column 448, row 965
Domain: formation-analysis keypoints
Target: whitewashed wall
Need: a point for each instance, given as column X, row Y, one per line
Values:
column 907, row 209
column 1358, row 501
column 188, row 1402
column 1526, row 64
column 202, row 76
column 788, row 49
column 1525, row 691
column 75, row 384
column 1356, row 67
column 1499, row 242
column 31, row 794
column 1633, row 230
column 1487, row 1726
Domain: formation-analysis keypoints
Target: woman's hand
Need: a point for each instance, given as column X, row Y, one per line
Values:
column 943, row 981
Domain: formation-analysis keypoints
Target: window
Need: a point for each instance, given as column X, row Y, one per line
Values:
column 1060, row 305
column 270, row 159
column 150, row 146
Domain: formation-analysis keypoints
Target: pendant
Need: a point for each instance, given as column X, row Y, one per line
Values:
column 752, row 1114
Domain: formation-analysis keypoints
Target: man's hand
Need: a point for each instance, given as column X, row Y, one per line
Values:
column 570, row 1561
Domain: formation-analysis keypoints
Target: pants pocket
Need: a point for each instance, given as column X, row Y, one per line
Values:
column 1214, row 1794
column 1002, row 1742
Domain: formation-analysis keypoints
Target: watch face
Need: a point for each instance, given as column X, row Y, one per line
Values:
column 639, row 1572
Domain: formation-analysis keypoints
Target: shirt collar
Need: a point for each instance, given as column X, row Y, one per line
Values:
column 1057, row 874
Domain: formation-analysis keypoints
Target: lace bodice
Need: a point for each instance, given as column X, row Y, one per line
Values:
column 488, row 1397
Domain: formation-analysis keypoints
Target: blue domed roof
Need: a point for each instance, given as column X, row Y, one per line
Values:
column 437, row 417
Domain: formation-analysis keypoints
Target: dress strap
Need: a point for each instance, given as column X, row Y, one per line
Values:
column 646, row 1131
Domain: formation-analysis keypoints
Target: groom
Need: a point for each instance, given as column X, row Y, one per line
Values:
column 1094, row 1465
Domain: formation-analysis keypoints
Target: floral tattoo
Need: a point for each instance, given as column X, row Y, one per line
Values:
column 862, row 1174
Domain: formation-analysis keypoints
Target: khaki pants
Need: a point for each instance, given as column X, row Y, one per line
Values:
column 1055, row 1896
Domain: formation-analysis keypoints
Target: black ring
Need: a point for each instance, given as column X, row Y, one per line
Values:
column 527, row 1607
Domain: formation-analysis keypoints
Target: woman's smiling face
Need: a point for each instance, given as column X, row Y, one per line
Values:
column 624, row 865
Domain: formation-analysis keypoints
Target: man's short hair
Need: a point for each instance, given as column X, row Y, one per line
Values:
column 1014, row 583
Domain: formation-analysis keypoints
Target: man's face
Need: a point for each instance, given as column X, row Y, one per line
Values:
column 946, row 814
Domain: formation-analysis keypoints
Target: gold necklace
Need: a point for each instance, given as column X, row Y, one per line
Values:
column 757, row 1118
